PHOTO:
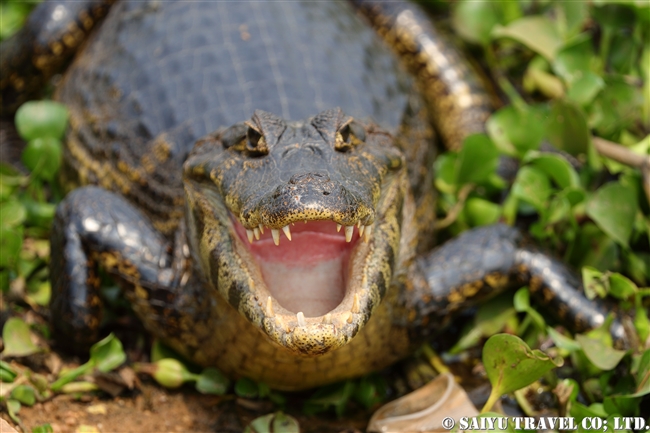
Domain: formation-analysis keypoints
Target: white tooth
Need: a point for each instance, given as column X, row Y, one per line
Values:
column 261, row 229
column 338, row 227
column 287, row 231
column 327, row 320
column 355, row 304
column 276, row 236
column 256, row 232
column 367, row 233
column 361, row 229
column 249, row 233
column 269, row 307
column 280, row 323
column 348, row 233
column 305, row 221
column 358, row 224
column 344, row 317
column 301, row 319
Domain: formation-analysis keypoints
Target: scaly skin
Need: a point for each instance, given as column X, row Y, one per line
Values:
column 200, row 136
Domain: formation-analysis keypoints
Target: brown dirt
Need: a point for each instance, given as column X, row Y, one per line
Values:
column 153, row 409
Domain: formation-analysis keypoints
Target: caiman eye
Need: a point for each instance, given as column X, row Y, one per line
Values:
column 243, row 138
column 256, row 144
column 234, row 135
column 349, row 135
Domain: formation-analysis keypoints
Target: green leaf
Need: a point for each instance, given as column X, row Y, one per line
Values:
column 490, row 318
column 17, row 339
column 601, row 355
column 559, row 209
column 641, row 320
column 7, row 374
column 12, row 213
column 567, row 128
column 621, row 287
column 212, row 381
column 336, row 395
column 9, row 180
column 43, row 428
column 40, row 119
column 510, row 365
column 547, row 84
column 615, row 108
column 107, row 354
column 637, row 266
column 575, row 58
column 371, row 391
column 246, row 388
column 562, row 341
column 555, row 167
column 160, row 351
column 38, row 213
column 171, row 373
column 573, row 16
column 273, row 423
column 615, row 15
column 473, row 21
column 477, row 160
column 285, row 423
column 594, row 282
column 521, row 300
column 41, row 294
column 643, row 375
column 584, row 88
column 594, row 248
column 536, row 32
column 12, row 17
column 532, row 186
column 480, row 212
column 613, row 207
column 24, row 394
column 43, row 157
column 445, row 169
column 13, row 407
column 573, row 195
column 516, row 131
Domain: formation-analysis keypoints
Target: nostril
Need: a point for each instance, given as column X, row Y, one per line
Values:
column 326, row 193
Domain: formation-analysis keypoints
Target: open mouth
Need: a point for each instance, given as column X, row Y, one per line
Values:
column 307, row 267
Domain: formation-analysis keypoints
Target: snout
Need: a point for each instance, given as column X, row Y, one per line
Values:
column 313, row 196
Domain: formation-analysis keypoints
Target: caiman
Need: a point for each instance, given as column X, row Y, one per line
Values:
column 257, row 178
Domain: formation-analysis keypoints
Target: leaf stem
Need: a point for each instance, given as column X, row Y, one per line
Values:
column 491, row 401
column 453, row 213
column 504, row 84
column 625, row 156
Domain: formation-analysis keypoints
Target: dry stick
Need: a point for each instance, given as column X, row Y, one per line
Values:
column 455, row 210
column 625, row 156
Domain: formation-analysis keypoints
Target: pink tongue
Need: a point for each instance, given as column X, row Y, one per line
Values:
column 309, row 273
column 315, row 290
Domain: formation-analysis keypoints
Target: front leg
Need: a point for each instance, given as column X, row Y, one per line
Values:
column 48, row 40
column 94, row 227
column 484, row 262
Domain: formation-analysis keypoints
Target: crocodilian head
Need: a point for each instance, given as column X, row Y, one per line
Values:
column 297, row 224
